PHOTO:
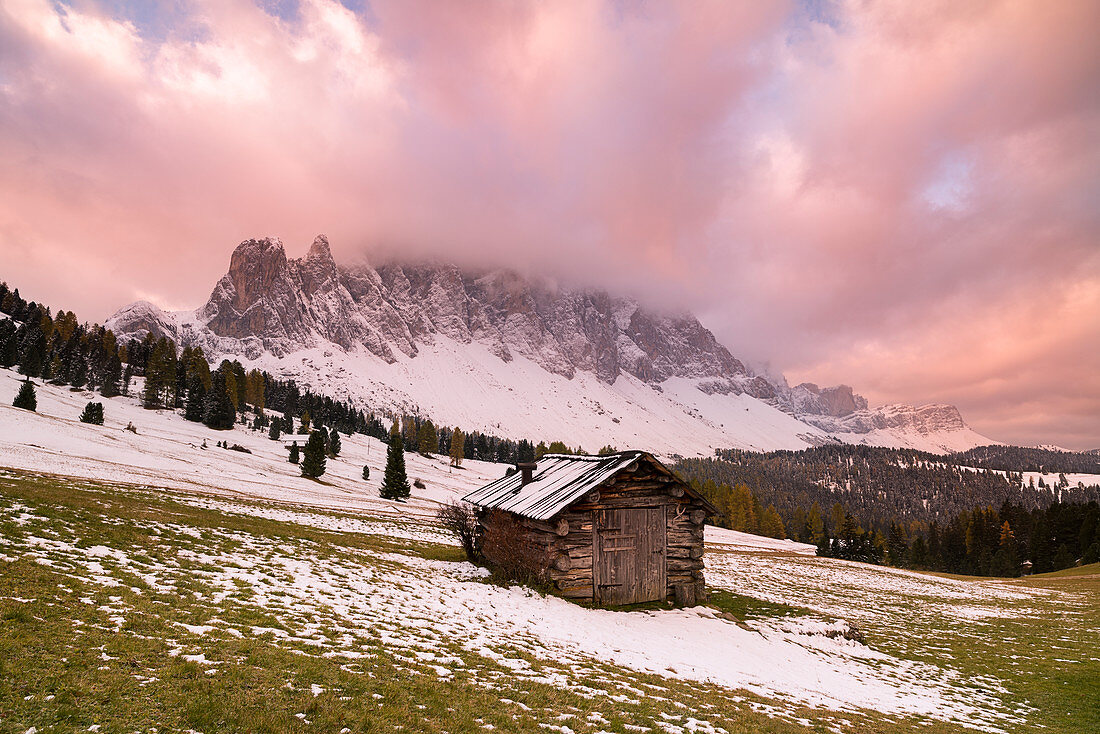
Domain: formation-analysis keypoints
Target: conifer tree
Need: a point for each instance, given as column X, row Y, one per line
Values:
column 366, row 472
column 26, row 397
column 127, row 375
column 78, row 372
column 395, row 483
column 9, row 352
column 196, row 400
column 34, row 353
column 771, row 526
column 304, row 426
column 293, row 458
column 254, row 390
column 218, row 411
column 458, row 447
column 427, row 438
column 93, row 413
column 334, row 443
column 815, row 526
column 313, row 461
column 112, row 376
column 274, row 432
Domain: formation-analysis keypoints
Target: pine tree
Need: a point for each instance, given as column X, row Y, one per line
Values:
column 427, row 438
column 334, row 443
column 409, row 433
column 458, row 447
column 366, row 472
column 274, row 433
column 218, row 410
column 293, row 458
column 78, row 372
column 26, row 398
column 313, row 461
column 160, row 375
column 93, row 413
column 815, row 526
column 9, row 352
column 303, row 428
column 112, row 376
column 34, row 353
column 127, row 375
column 395, row 483
column 196, row 400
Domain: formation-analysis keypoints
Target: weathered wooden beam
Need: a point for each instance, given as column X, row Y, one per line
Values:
column 685, row 595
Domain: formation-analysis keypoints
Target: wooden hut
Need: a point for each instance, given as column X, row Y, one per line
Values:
column 616, row 529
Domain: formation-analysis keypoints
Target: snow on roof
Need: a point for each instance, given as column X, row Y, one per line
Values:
column 557, row 481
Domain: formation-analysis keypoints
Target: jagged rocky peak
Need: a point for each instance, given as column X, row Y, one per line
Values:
column 290, row 304
column 269, row 304
column 836, row 401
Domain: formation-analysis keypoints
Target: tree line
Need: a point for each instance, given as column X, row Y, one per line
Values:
column 899, row 506
column 1020, row 458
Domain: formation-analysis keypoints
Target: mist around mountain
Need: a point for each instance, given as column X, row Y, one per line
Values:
column 522, row 357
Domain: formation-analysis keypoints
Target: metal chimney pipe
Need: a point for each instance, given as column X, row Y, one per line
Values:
column 527, row 470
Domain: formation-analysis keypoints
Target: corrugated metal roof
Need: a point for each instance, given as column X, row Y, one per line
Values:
column 558, row 480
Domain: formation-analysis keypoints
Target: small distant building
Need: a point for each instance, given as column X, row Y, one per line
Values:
column 617, row 529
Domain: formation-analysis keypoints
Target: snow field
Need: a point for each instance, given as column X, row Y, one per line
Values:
column 440, row 619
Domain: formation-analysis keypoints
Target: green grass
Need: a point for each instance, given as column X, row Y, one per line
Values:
column 74, row 652
column 1088, row 569
column 744, row 608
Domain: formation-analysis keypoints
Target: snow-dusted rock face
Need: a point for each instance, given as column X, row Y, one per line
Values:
column 291, row 304
column 937, row 418
column 269, row 306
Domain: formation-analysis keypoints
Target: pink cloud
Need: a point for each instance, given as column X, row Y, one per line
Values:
column 898, row 197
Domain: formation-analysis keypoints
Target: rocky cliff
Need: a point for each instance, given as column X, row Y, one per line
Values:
column 269, row 304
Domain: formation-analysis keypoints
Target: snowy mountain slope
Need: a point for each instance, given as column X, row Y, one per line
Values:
column 523, row 359
column 167, row 451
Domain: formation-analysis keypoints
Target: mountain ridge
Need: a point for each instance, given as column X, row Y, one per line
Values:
column 347, row 319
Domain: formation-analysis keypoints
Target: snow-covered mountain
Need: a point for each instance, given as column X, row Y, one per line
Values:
column 492, row 350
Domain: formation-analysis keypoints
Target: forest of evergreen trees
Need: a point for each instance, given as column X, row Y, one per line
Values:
column 900, row 506
column 1019, row 458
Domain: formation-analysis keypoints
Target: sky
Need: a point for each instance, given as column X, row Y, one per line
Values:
column 903, row 197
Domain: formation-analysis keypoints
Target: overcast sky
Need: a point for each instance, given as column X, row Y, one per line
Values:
column 904, row 197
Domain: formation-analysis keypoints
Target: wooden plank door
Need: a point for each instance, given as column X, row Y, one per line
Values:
column 629, row 547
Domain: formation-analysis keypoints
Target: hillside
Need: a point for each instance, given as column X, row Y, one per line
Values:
column 185, row 578
column 522, row 358
column 882, row 485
